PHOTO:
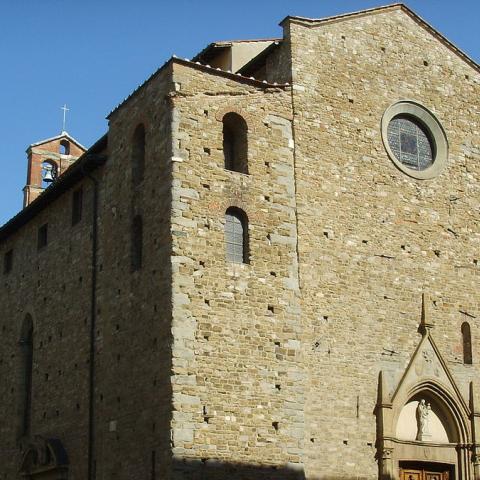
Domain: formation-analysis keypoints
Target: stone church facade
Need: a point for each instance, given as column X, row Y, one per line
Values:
column 267, row 268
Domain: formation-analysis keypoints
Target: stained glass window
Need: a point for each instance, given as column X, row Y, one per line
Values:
column 410, row 143
column 236, row 236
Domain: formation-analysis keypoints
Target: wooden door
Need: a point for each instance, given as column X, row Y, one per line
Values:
column 423, row 474
column 436, row 475
column 411, row 474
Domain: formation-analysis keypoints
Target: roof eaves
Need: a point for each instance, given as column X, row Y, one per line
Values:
column 88, row 162
column 229, row 74
column 254, row 40
column 458, row 51
column 132, row 94
column 205, row 68
column 209, row 50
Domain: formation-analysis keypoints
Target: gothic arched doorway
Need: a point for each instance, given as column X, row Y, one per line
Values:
column 424, row 422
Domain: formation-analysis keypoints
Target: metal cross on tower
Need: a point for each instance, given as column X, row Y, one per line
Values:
column 65, row 110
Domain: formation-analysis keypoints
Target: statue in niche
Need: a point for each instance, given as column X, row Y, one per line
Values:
column 423, row 412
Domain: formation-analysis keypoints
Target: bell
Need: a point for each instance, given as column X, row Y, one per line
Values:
column 49, row 176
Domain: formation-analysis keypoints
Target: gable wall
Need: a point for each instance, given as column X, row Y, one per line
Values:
column 367, row 232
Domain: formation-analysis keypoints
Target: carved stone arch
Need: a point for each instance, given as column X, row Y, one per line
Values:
column 237, row 202
column 247, row 117
column 45, row 458
column 28, row 311
column 400, row 393
column 139, row 120
column 454, row 412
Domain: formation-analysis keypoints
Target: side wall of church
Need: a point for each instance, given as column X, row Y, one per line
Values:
column 133, row 397
column 238, row 386
column 52, row 285
column 372, row 239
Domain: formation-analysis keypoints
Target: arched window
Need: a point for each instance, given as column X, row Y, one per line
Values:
column 236, row 236
column 138, row 154
column 467, row 344
column 26, row 369
column 137, row 243
column 235, row 143
column 64, row 147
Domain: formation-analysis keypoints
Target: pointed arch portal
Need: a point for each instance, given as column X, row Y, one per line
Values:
column 425, row 425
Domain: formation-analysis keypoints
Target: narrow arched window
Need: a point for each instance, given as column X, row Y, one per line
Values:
column 236, row 236
column 26, row 369
column 235, row 143
column 138, row 154
column 64, row 147
column 467, row 344
column 137, row 243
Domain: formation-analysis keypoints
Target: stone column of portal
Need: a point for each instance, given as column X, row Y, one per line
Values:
column 387, row 470
column 384, row 421
column 475, row 428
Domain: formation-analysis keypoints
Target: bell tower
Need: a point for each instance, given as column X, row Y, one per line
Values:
column 47, row 160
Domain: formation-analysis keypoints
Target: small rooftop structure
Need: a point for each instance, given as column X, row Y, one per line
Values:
column 47, row 160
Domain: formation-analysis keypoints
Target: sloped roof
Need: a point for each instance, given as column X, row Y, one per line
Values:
column 58, row 137
column 250, row 67
column 395, row 6
column 212, row 48
column 205, row 68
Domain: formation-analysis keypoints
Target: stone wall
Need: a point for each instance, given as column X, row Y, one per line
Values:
column 372, row 239
column 208, row 368
column 52, row 284
column 132, row 399
column 238, row 386
column 133, row 396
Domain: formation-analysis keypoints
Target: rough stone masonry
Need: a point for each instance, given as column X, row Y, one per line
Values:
column 132, row 348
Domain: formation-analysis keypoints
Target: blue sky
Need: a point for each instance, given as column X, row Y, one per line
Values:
column 91, row 54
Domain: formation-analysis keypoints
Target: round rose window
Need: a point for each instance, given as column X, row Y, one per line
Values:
column 414, row 139
column 410, row 143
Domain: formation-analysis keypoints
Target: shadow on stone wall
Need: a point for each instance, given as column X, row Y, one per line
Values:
column 212, row 469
